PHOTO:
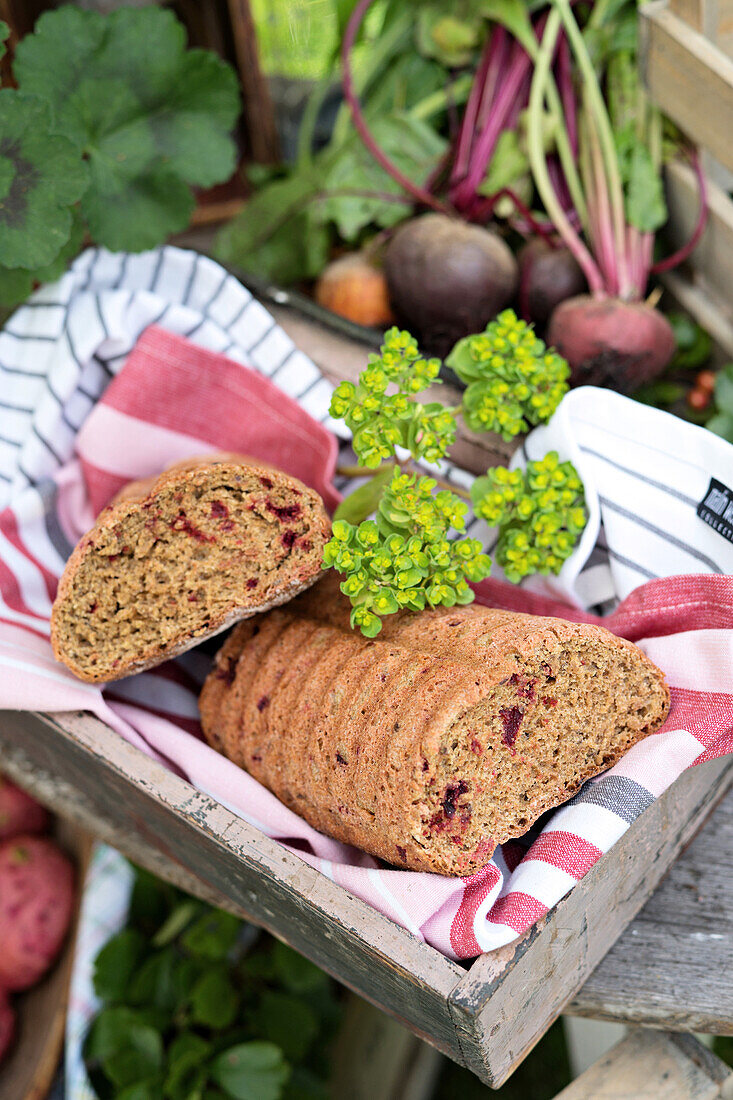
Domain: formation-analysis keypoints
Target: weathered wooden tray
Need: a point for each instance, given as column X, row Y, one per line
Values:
column 486, row 1016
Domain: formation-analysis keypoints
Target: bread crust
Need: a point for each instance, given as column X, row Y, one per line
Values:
column 358, row 768
column 134, row 498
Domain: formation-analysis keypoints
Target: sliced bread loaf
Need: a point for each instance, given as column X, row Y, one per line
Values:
column 180, row 558
column 449, row 735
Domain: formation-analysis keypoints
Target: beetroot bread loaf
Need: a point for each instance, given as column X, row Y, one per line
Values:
column 174, row 561
column 450, row 734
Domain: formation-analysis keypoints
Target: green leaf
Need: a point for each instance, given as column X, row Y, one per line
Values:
column 251, row 1071
column 150, row 1089
column 213, row 935
column 140, row 1058
column 355, row 183
column 305, row 1085
column 41, row 176
column 188, row 1068
column 164, row 980
column 178, row 919
column 108, row 1032
column 276, row 232
column 364, row 500
column 724, row 389
column 721, row 424
column 694, row 344
column 4, row 35
column 645, row 205
column 446, row 36
column 16, row 283
column 286, row 1021
column 152, row 117
column 297, row 973
column 214, row 1000
column 151, row 901
column 508, row 164
column 116, row 963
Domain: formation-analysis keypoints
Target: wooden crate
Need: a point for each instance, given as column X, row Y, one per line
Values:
column 687, row 62
column 486, row 1016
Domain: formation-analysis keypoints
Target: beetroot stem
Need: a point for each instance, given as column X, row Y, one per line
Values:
column 489, row 63
column 682, row 254
column 350, row 35
column 486, row 144
column 538, row 160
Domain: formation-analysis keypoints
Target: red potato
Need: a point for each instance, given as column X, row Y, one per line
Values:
column 19, row 813
column 447, row 279
column 36, row 905
column 612, row 343
column 355, row 288
column 7, row 1024
column 547, row 277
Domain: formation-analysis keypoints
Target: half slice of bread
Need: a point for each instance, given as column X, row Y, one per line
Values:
column 172, row 562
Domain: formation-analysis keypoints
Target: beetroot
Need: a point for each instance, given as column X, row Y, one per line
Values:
column 547, row 276
column 608, row 342
column 19, row 813
column 447, row 279
column 36, row 904
column 7, row 1024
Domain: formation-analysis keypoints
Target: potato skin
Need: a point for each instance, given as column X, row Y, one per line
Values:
column 36, row 905
column 447, row 279
column 19, row 813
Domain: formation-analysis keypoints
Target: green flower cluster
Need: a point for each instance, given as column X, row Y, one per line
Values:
column 513, row 380
column 540, row 514
column 404, row 558
column 382, row 421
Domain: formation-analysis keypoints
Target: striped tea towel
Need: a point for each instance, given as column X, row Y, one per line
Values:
column 104, row 906
column 88, row 402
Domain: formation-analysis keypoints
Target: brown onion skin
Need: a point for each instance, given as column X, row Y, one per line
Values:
column 607, row 342
column 447, row 279
column 547, row 277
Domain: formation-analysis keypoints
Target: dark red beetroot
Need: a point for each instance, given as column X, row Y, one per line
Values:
column 19, row 813
column 447, row 279
column 547, row 276
column 36, row 904
column 7, row 1024
column 608, row 342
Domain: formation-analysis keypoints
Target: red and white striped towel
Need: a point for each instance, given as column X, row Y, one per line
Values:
column 87, row 402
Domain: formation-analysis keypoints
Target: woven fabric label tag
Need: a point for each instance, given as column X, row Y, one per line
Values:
column 716, row 508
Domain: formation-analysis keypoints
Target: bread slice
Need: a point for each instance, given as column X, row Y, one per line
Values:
column 180, row 558
column 450, row 734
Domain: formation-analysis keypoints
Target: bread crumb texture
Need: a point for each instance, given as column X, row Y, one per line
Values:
column 450, row 734
column 207, row 544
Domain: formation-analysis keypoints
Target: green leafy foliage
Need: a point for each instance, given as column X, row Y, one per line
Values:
column 540, row 513
column 721, row 422
column 513, row 380
column 41, row 175
column 694, row 344
column 125, row 126
column 382, row 420
column 405, row 558
column 286, row 229
column 251, row 1071
column 189, row 1013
